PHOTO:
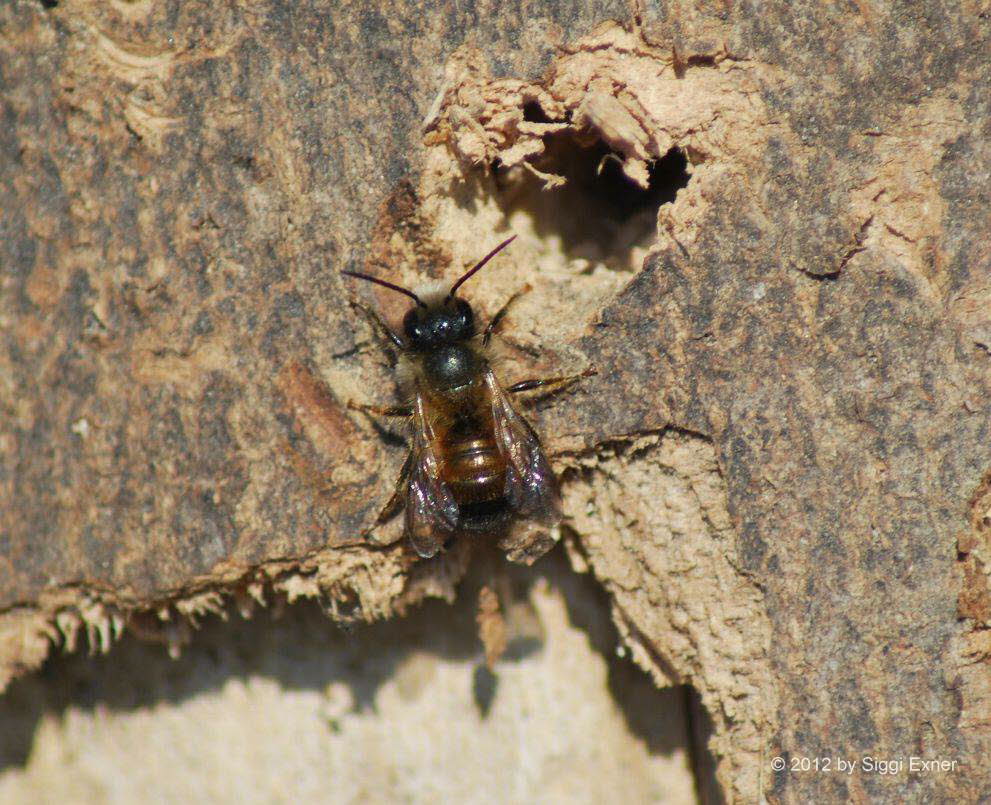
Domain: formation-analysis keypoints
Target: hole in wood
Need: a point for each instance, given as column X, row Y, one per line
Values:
column 598, row 213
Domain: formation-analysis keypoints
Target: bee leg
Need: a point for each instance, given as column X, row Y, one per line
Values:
column 379, row 410
column 399, row 496
column 381, row 328
column 530, row 385
column 501, row 313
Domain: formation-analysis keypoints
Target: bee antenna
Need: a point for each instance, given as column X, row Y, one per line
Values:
column 385, row 284
column 477, row 267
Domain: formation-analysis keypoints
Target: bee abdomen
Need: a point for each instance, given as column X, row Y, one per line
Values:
column 476, row 470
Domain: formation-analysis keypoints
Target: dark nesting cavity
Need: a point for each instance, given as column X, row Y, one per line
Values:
column 598, row 213
column 533, row 112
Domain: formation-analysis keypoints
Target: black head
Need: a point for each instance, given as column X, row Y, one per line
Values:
column 448, row 321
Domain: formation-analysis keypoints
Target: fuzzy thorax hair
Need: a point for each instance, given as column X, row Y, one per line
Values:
column 432, row 293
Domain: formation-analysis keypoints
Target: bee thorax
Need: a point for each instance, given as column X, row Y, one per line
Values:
column 450, row 367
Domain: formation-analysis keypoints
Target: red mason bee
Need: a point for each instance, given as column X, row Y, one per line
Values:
column 475, row 466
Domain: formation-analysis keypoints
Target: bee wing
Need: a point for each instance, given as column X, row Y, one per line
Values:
column 431, row 511
column 531, row 486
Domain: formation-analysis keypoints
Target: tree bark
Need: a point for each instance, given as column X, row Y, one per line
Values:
column 780, row 473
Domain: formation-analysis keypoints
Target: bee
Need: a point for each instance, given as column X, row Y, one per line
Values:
column 475, row 467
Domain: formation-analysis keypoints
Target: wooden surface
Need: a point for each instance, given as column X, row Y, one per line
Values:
column 794, row 384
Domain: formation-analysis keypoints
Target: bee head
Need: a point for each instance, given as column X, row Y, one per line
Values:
column 442, row 322
column 447, row 321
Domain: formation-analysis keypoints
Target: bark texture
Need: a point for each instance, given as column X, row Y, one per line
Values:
column 780, row 473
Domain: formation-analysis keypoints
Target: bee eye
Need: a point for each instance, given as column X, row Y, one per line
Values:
column 465, row 319
column 412, row 326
